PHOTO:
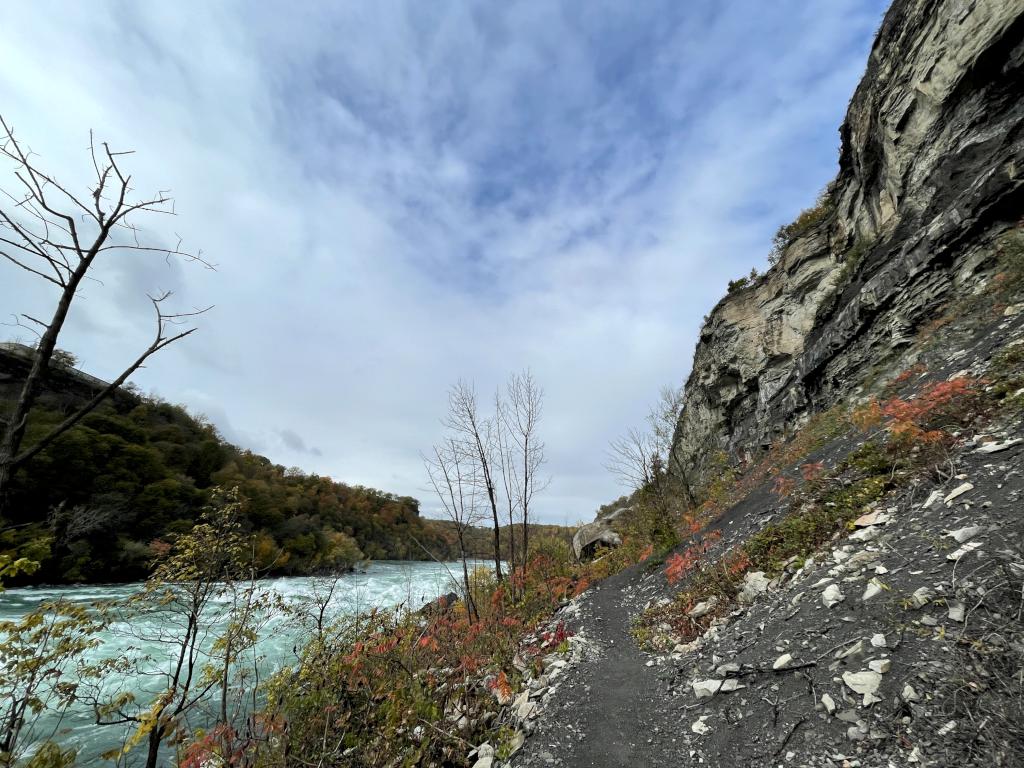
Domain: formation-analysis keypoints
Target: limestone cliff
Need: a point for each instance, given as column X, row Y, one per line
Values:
column 931, row 172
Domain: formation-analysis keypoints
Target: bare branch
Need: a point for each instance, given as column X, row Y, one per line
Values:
column 48, row 232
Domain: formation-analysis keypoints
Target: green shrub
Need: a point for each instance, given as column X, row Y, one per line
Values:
column 808, row 219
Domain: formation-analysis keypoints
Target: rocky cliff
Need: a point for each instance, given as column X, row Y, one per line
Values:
column 931, row 173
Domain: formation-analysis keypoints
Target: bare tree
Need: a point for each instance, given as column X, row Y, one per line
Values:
column 640, row 458
column 479, row 434
column 50, row 233
column 506, row 462
column 454, row 478
column 524, row 456
column 633, row 458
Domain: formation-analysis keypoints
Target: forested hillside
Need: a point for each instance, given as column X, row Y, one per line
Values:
column 94, row 505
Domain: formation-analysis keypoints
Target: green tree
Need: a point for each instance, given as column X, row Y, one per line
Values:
column 41, row 671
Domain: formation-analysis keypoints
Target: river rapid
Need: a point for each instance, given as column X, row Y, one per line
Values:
column 381, row 585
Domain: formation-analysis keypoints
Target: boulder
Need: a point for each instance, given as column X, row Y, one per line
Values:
column 592, row 535
column 754, row 583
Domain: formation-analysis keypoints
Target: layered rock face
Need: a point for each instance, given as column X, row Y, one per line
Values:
column 931, row 173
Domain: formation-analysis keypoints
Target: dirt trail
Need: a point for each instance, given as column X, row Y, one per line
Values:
column 617, row 707
column 607, row 710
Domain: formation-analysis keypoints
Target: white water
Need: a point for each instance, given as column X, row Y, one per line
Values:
column 383, row 584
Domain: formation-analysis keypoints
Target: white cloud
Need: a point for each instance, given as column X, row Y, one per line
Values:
column 401, row 194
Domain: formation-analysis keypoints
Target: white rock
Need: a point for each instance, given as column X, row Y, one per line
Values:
column 960, row 535
column 997, row 447
column 872, row 518
column 965, row 549
column 865, row 683
column 878, row 640
column 922, row 597
column 828, row 703
column 873, row 589
column 700, row 727
column 909, row 694
column 956, row 611
column 521, row 699
column 832, row 595
column 705, row 689
column 484, row 762
column 947, row 728
column 516, row 743
column 866, row 534
column 754, row 584
column 732, row 684
column 527, row 710
column 783, row 661
column 485, row 750
column 932, row 498
column 957, row 492
column 855, row 650
column 881, row 666
column 702, row 608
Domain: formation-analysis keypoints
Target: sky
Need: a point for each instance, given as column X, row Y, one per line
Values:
column 398, row 195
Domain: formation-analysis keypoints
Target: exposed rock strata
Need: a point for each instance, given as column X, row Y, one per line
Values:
column 931, row 172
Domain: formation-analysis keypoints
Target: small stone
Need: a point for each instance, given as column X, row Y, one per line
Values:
column 866, row 534
column 957, row 492
column 783, row 661
column 873, row 589
column 732, row 684
column 705, row 689
column 956, row 611
column 878, row 641
column 700, row 727
column 960, row 535
column 922, row 597
column 997, row 447
column 485, row 750
column 516, row 742
column 484, row 762
column 754, row 584
column 947, row 728
column 851, row 652
column 702, row 608
column 881, row 666
column 828, row 703
column 909, row 694
column 965, row 549
column 856, row 733
column 832, row 595
column 932, row 498
column 527, row 710
column 865, row 683
column 872, row 518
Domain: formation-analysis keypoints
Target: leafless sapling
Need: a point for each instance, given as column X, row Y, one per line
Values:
column 453, row 477
column 520, row 417
column 58, row 237
column 478, row 434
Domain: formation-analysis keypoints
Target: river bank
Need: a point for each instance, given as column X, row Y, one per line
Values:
column 382, row 585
